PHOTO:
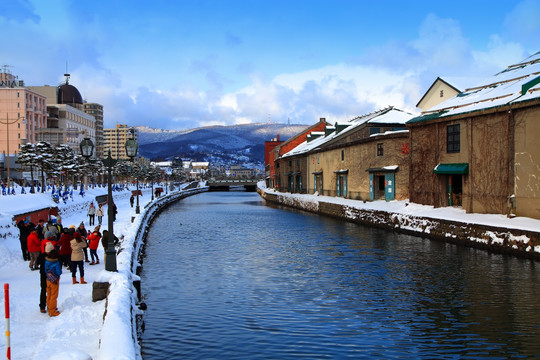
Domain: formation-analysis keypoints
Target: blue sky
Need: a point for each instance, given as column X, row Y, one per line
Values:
column 184, row 64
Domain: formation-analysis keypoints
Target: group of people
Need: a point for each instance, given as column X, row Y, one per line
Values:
column 49, row 247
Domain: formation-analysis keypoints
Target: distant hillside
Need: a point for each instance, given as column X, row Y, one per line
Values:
column 221, row 145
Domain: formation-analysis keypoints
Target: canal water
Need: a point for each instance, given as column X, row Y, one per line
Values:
column 227, row 277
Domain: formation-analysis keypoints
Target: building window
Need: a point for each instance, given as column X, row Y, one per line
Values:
column 452, row 138
column 342, row 155
column 290, row 163
column 297, row 162
column 380, row 150
column 374, row 130
column 441, row 93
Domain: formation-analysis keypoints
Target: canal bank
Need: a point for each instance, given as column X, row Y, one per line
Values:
column 495, row 233
column 135, row 250
column 86, row 329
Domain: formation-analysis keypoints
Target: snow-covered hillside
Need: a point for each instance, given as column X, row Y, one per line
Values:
column 213, row 143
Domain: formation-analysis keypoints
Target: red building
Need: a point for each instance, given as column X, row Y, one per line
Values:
column 285, row 147
column 269, row 160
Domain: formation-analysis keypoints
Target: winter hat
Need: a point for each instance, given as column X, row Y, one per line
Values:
column 26, row 221
column 49, row 247
column 48, row 234
column 77, row 235
column 81, row 224
column 72, row 226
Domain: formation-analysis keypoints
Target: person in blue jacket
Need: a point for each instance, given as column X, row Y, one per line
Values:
column 53, row 269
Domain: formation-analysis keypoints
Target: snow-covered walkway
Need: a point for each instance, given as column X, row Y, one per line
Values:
column 76, row 332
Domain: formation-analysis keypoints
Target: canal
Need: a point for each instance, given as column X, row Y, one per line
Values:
column 227, row 277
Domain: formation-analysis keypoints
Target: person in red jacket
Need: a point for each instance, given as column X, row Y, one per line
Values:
column 94, row 239
column 49, row 238
column 65, row 247
column 34, row 248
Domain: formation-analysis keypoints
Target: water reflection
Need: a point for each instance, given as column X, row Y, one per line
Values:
column 227, row 277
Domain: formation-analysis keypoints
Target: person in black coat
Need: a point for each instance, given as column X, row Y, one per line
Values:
column 43, row 282
column 25, row 228
column 41, row 229
column 114, row 210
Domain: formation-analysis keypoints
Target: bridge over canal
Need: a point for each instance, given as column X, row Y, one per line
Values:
column 232, row 184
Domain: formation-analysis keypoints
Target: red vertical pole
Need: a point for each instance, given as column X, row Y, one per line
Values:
column 6, row 301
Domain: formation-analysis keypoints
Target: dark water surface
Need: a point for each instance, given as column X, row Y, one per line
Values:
column 226, row 277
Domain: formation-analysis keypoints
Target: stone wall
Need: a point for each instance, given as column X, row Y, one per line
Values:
column 519, row 243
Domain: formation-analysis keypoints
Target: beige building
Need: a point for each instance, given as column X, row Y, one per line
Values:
column 365, row 158
column 67, row 122
column 22, row 113
column 373, row 168
column 96, row 110
column 444, row 89
column 115, row 140
column 479, row 150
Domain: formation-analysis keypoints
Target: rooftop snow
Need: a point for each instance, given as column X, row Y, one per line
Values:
column 501, row 89
column 389, row 115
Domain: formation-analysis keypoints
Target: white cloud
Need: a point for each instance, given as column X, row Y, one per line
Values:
column 393, row 73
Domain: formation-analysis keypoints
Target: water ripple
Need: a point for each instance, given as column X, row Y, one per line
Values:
column 241, row 281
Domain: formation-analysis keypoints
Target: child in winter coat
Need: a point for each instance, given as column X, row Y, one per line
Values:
column 53, row 271
column 94, row 243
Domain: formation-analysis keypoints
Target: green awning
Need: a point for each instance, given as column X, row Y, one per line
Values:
column 449, row 169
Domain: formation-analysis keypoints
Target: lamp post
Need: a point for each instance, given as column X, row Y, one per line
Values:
column 131, row 151
column 87, row 147
column 110, row 258
column 7, row 123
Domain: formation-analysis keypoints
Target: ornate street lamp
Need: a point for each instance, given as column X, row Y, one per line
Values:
column 87, row 147
column 131, row 150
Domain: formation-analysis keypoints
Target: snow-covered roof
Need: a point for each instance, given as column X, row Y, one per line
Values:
column 462, row 83
column 161, row 163
column 517, row 83
column 386, row 116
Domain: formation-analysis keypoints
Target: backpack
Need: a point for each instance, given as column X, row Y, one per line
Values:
column 51, row 276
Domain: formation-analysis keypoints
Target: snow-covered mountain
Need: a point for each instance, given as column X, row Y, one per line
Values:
column 236, row 144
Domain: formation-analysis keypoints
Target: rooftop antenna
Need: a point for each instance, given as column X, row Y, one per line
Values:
column 6, row 69
column 67, row 74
